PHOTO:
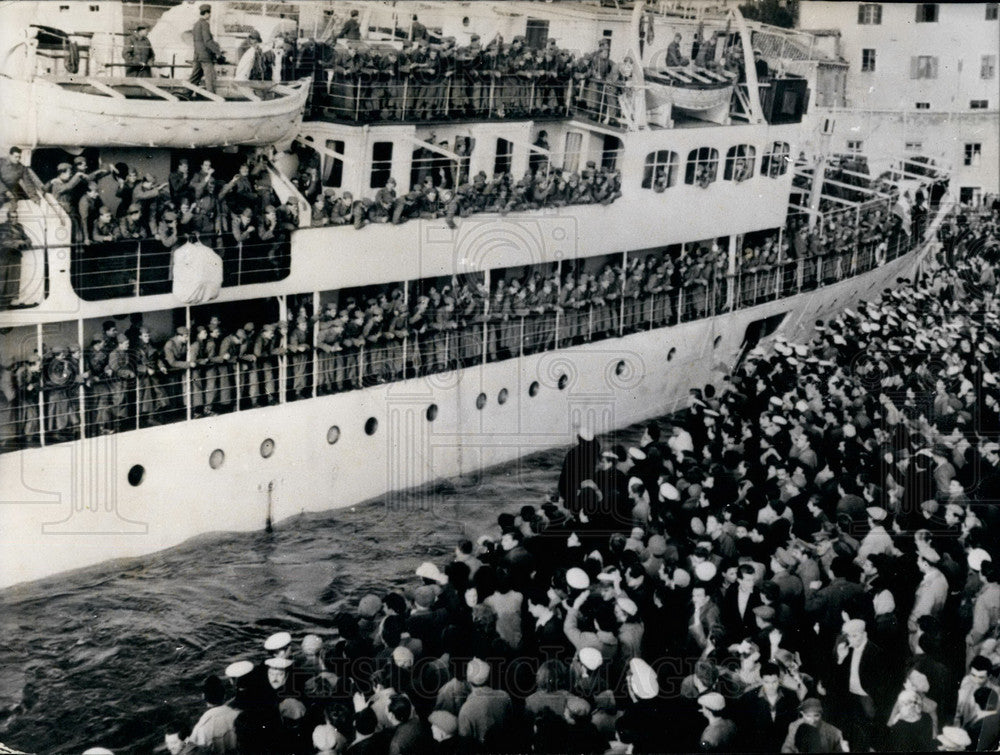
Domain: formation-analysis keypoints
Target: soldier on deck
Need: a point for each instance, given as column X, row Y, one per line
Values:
column 28, row 380
column 329, row 329
column 138, row 53
column 98, row 395
column 204, row 376
column 353, row 340
column 152, row 399
column 176, row 362
column 419, row 324
column 396, row 331
column 227, row 360
column 206, row 50
column 300, row 358
column 120, row 381
column 61, row 386
column 266, row 349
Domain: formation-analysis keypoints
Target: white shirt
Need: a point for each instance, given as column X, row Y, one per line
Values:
column 855, row 679
column 742, row 598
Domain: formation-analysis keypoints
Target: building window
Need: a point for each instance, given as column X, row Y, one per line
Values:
column 381, row 164
column 972, row 153
column 702, row 166
column 914, row 147
column 923, row 67
column 970, row 195
column 868, row 59
column 661, row 170
column 334, row 167
column 923, row 106
column 775, row 160
column 991, row 11
column 869, row 13
column 536, row 33
column 988, row 67
column 740, row 162
column 927, row 13
column 855, row 146
column 505, row 152
column 979, row 104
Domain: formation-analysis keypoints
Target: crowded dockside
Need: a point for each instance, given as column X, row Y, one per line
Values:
column 803, row 560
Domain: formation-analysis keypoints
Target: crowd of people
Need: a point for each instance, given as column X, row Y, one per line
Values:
column 374, row 335
column 804, row 560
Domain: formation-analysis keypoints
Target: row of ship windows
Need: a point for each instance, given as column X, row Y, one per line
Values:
column 662, row 168
column 137, row 473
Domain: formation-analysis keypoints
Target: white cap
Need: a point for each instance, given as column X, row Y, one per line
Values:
column 705, row 571
column 669, row 493
column 642, row 679
column 586, row 434
column 281, row 663
column 591, row 658
column 277, row 641
column 976, row 558
column 577, row 578
column 427, row 570
column 238, row 669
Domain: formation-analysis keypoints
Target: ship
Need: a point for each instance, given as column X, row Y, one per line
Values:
column 482, row 378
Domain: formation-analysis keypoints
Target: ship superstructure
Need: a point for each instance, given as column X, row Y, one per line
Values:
column 470, row 249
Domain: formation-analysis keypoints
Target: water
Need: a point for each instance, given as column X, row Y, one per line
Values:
column 109, row 655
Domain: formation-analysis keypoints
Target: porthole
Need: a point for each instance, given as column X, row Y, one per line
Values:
column 371, row 426
column 217, row 458
column 563, row 381
column 502, row 396
column 533, row 389
column 672, row 353
column 432, row 412
column 267, row 448
column 136, row 475
column 333, row 434
column 716, row 342
column 620, row 367
column 480, row 400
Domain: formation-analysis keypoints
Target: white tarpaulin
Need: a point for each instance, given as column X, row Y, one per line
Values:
column 197, row 273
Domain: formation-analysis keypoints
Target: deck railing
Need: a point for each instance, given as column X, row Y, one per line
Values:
column 59, row 400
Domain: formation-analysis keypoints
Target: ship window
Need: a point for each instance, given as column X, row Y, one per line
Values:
column 333, row 434
column 267, row 448
column 381, row 164
column 661, row 170
column 136, row 475
column 505, row 152
column 502, row 396
column 740, row 162
column 334, row 167
column 609, row 154
column 432, row 412
column 480, row 401
column 562, row 382
column 775, row 160
column 533, row 388
column 216, row 458
column 927, row 13
column 702, row 166
column 536, row 33
column 371, row 426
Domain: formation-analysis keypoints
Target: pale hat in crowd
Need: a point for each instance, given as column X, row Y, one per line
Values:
column 477, row 672
column 877, row 513
column 705, row 571
column 444, row 720
column 281, row 663
column 430, row 571
column 591, row 658
column 369, row 606
column 853, row 626
column 642, row 679
column 577, row 578
column 277, row 641
column 669, row 493
column 954, row 739
column 325, row 737
column 713, row 701
column 976, row 558
column 238, row 669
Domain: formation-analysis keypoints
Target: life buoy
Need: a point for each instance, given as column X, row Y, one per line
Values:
column 72, row 56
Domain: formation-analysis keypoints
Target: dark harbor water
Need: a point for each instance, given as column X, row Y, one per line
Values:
column 108, row 655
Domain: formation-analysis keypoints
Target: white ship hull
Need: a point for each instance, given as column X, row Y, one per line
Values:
column 71, row 505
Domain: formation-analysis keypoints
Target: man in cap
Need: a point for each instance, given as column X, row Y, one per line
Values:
column 720, row 733
column 138, row 53
column 986, row 607
column 878, row 540
column 487, row 714
column 932, row 592
column 251, row 59
column 176, row 361
column 206, row 50
column 827, row 738
column 215, row 731
column 444, row 730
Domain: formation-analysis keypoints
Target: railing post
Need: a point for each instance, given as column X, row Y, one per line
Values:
column 187, row 389
column 138, row 267
column 41, row 387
